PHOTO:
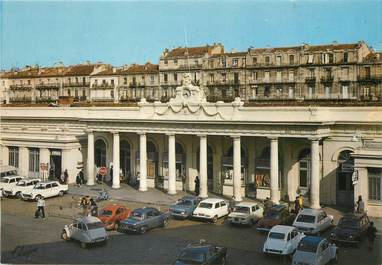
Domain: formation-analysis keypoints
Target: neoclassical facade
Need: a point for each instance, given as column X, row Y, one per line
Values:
column 330, row 154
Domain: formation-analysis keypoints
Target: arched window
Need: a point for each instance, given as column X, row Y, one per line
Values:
column 100, row 153
column 345, row 170
column 304, row 168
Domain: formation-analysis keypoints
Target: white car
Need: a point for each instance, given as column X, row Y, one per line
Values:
column 23, row 186
column 313, row 221
column 9, row 182
column 211, row 209
column 314, row 250
column 46, row 189
column 282, row 240
column 246, row 213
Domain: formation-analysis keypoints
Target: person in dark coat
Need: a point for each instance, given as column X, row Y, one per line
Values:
column 111, row 174
column 66, row 176
column 371, row 234
column 197, row 186
column 82, row 177
column 296, row 205
column 360, row 205
column 93, row 208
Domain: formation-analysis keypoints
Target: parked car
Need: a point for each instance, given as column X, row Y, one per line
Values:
column 22, row 186
column 143, row 219
column 211, row 209
column 246, row 213
column 46, row 189
column 9, row 182
column 7, row 171
column 87, row 230
column 277, row 215
column 184, row 207
column 350, row 229
column 313, row 221
column 282, row 240
column 313, row 250
column 202, row 253
column 112, row 215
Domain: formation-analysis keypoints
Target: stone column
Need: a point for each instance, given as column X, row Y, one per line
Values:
column 142, row 162
column 45, row 158
column 24, row 161
column 274, row 170
column 90, row 163
column 203, row 167
column 116, row 184
column 5, row 156
column 171, row 165
column 315, row 175
column 237, row 168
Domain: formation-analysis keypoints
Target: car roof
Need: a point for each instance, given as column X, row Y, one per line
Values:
column 309, row 211
column 48, row 182
column 353, row 216
column 314, row 240
column 145, row 209
column 189, row 197
column 279, row 207
column 246, row 204
column 199, row 245
column 212, row 200
column 12, row 177
column 31, row 179
column 282, row 228
column 88, row 219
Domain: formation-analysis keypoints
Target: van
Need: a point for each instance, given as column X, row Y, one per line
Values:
column 6, row 171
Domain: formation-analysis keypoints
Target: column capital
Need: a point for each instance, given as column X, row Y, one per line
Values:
column 115, row 132
column 141, row 133
column 235, row 137
column 314, row 139
column 202, row 135
column 89, row 131
column 170, row 134
column 273, row 138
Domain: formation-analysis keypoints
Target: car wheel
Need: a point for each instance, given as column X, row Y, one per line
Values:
column 61, row 193
column 18, row 195
column 143, row 230
column 223, row 261
column 84, row 245
column 64, row 235
column 165, row 222
column 215, row 219
column 116, row 226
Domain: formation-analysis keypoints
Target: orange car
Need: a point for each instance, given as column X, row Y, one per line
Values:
column 111, row 215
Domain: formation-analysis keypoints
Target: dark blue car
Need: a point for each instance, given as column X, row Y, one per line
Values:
column 184, row 207
column 143, row 219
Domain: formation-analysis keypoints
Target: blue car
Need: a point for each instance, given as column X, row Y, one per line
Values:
column 184, row 207
column 143, row 219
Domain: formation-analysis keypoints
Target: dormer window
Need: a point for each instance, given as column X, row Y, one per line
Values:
column 346, row 57
column 267, row 59
column 254, row 60
column 310, row 58
column 175, row 61
column 234, row 62
column 278, row 59
column 165, row 62
column 291, row 59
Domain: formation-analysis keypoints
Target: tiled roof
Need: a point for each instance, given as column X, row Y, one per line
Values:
column 28, row 73
column 275, row 49
column 333, row 46
column 108, row 71
column 80, row 69
column 190, row 51
column 52, row 71
column 373, row 57
column 147, row 68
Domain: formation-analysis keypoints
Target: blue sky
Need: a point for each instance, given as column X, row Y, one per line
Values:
column 121, row 32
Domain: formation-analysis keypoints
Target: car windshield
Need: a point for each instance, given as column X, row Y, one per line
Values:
column 95, row 225
column 307, row 246
column 205, row 205
column 191, row 255
column 107, row 213
column 40, row 187
column 21, row 183
column 272, row 214
column 348, row 223
column 276, row 235
column 137, row 215
column 241, row 209
column 185, row 202
column 303, row 218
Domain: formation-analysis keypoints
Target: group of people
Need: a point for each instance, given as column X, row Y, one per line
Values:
column 89, row 206
column 63, row 178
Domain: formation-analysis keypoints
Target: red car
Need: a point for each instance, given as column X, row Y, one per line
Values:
column 111, row 215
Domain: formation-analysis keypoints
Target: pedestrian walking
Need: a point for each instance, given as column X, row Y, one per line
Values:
column 93, row 208
column 268, row 204
column 78, row 180
column 371, row 234
column 40, row 208
column 296, row 205
column 184, row 182
column 111, row 174
column 360, row 205
column 85, row 205
column 300, row 202
column 82, row 177
column 66, row 176
column 51, row 173
column 197, row 186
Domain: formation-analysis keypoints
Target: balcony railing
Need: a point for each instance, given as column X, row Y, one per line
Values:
column 327, row 79
column 20, row 99
column 310, row 79
column 76, row 84
column 20, row 87
column 103, row 86
column 48, row 86
column 191, row 66
column 135, row 84
column 369, row 78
